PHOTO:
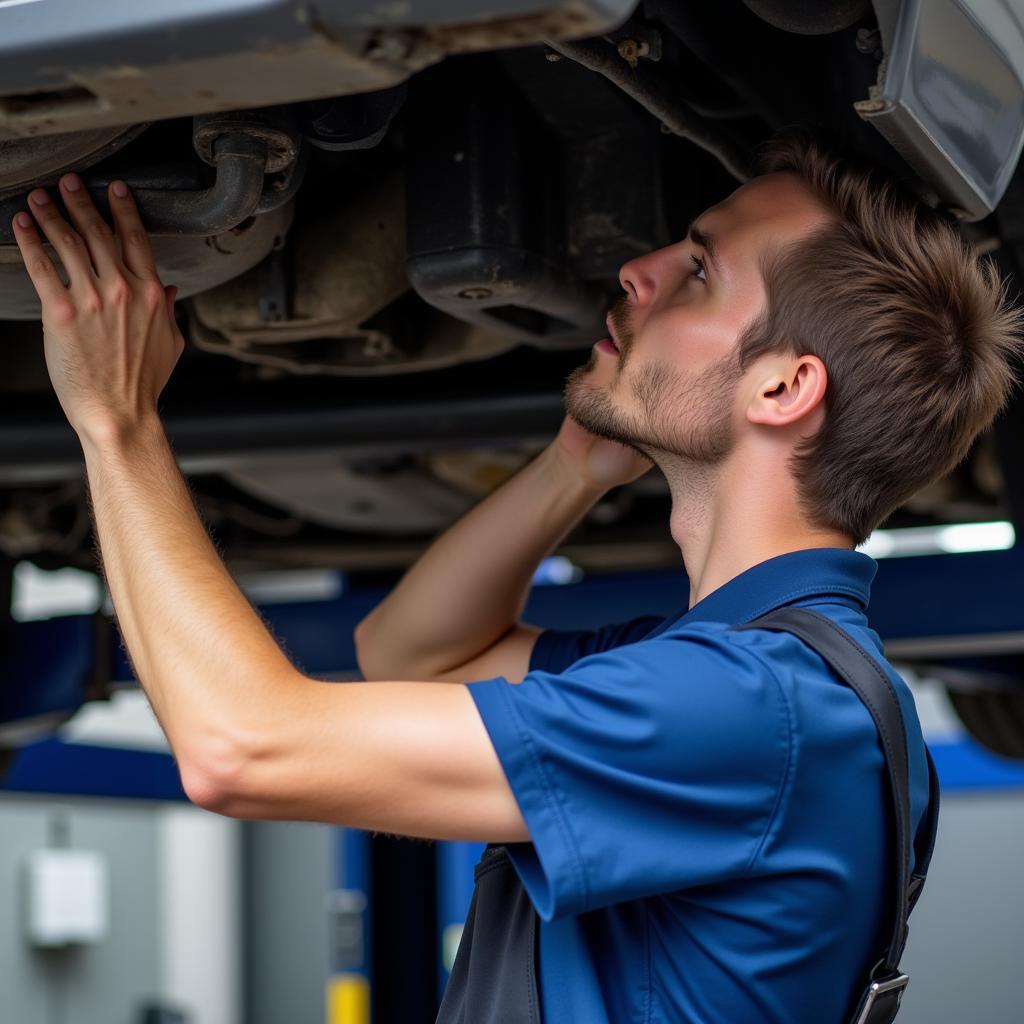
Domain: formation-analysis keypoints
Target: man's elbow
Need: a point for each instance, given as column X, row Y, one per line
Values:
column 377, row 659
column 216, row 779
column 202, row 789
column 366, row 648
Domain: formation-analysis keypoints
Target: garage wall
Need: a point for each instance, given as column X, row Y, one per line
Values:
column 967, row 933
column 25, row 977
column 174, row 914
column 199, row 913
column 287, row 877
column 105, row 983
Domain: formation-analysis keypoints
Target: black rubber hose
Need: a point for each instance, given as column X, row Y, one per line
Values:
column 240, row 161
column 645, row 85
column 234, row 195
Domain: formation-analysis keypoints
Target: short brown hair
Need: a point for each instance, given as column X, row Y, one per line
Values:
column 916, row 334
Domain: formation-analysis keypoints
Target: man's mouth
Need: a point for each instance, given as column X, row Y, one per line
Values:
column 611, row 334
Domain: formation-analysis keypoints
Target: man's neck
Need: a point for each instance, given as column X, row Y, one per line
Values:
column 730, row 517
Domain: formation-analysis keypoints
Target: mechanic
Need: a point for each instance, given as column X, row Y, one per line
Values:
column 688, row 823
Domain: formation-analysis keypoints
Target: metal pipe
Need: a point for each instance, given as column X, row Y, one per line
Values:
column 648, row 88
column 240, row 161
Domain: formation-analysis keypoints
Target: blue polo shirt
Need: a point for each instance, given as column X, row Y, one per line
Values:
column 708, row 810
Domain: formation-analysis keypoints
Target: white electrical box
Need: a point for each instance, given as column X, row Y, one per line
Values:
column 68, row 897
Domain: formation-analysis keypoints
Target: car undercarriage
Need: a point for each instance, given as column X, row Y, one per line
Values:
column 395, row 228
column 391, row 254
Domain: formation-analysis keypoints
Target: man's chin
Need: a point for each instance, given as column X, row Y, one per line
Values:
column 591, row 407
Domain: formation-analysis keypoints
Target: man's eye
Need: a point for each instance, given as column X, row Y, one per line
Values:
column 700, row 272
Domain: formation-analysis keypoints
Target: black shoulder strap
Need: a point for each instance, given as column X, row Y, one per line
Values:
column 865, row 677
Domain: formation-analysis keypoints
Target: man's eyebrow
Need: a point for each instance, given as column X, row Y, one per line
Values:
column 706, row 242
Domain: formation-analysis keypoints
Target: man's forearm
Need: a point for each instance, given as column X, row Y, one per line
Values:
column 468, row 589
column 202, row 654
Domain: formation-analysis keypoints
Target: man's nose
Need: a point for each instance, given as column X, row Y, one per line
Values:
column 639, row 277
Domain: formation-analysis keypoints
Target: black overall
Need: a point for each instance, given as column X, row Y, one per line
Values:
column 494, row 976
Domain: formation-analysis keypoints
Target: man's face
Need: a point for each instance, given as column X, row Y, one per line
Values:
column 668, row 379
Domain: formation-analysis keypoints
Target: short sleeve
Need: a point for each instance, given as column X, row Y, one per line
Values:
column 644, row 769
column 557, row 649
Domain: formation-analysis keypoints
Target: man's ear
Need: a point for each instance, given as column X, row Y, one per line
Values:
column 790, row 391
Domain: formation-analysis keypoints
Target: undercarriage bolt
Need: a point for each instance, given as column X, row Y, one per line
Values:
column 377, row 346
column 631, row 50
column 869, row 41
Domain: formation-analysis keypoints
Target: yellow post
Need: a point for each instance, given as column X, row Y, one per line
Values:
column 348, row 999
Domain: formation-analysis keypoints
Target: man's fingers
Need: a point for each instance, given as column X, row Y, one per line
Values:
column 91, row 226
column 63, row 237
column 135, row 247
column 40, row 269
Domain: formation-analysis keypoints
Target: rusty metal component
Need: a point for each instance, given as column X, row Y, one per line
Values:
column 27, row 163
column 641, row 43
column 192, row 263
column 352, row 257
column 340, row 286
column 281, row 188
column 243, row 146
column 630, row 50
column 650, row 89
column 273, row 126
column 420, row 45
column 233, row 196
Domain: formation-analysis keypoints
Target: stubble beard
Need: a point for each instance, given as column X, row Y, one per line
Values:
column 677, row 415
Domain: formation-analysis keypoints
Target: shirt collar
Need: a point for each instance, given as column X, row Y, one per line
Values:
column 837, row 573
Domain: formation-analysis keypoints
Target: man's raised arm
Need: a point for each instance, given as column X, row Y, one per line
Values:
column 455, row 614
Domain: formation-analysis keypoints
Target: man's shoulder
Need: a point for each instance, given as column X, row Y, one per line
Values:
column 703, row 654
column 767, row 659
column 715, row 640
column 778, row 647
column 677, row 643
column 699, row 679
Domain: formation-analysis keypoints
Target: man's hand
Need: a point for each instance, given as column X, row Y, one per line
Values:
column 602, row 464
column 109, row 335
